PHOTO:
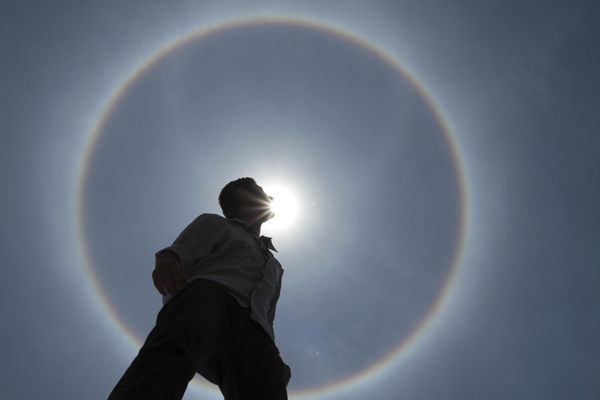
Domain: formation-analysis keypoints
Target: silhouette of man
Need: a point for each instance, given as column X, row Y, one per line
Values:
column 220, row 285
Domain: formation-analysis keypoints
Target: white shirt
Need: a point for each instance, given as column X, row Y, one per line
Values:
column 230, row 252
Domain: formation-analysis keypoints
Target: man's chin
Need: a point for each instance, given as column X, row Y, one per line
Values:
column 270, row 216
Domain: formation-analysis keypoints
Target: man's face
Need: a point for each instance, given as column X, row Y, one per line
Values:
column 258, row 203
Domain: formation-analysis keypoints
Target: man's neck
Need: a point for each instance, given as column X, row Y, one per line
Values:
column 256, row 227
column 253, row 222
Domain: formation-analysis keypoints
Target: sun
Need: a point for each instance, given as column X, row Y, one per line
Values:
column 285, row 206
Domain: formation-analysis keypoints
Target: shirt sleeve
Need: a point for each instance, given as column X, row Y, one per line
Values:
column 195, row 242
column 273, row 304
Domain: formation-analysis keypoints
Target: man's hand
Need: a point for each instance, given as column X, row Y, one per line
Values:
column 288, row 371
column 288, row 374
column 168, row 277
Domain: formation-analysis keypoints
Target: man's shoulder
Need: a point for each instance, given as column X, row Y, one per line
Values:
column 211, row 219
column 209, row 223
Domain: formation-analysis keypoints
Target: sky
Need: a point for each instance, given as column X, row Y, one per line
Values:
column 445, row 157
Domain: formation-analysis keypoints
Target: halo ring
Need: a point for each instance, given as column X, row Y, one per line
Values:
column 406, row 342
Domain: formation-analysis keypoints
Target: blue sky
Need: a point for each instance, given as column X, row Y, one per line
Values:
column 372, row 166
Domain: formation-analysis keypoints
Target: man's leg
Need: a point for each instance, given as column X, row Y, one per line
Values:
column 251, row 368
column 161, row 370
column 190, row 328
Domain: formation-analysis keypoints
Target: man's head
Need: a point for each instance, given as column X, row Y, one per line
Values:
column 244, row 199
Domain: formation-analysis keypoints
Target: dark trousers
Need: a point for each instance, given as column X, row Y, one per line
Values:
column 203, row 329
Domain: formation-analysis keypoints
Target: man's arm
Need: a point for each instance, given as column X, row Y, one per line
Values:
column 194, row 243
column 273, row 304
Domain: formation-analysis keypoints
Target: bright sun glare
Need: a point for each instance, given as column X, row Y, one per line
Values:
column 285, row 206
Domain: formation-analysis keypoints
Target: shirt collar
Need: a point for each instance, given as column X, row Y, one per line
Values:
column 268, row 241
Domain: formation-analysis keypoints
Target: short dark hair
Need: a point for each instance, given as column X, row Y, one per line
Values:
column 229, row 198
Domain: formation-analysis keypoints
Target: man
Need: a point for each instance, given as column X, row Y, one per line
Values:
column 220, row 285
